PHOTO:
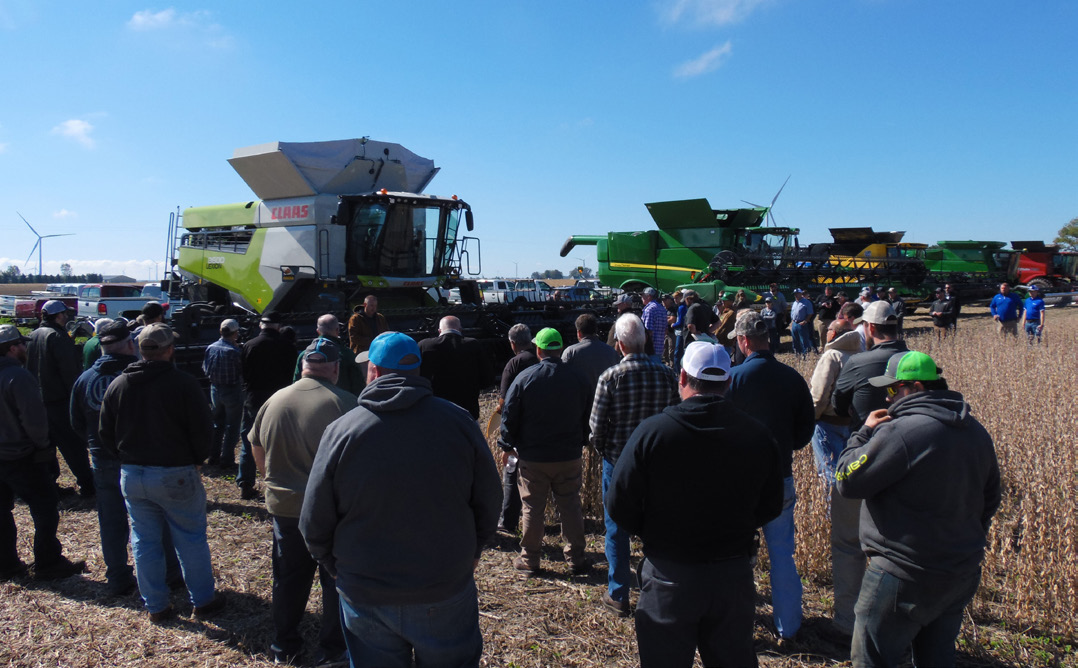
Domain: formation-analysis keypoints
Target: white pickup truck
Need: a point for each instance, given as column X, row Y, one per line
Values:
column 522, row 291
column 111, row 300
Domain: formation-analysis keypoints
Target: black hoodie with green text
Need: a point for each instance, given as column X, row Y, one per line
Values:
column 930, row 482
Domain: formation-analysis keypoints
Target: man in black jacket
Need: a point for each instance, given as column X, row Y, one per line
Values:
column 545, row 424
column 117, row 352
column 456, row 366
column 26, row 467
column 927, row 471
column 156, row 419
column 268, row 362
column 54, row 361
column 699, row 537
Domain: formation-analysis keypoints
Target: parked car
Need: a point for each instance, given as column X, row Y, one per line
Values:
column 111, row 300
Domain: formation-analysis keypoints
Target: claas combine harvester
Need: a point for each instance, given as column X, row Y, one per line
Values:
column 334, row 222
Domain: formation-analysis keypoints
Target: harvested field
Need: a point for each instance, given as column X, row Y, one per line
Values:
column 1024, row 615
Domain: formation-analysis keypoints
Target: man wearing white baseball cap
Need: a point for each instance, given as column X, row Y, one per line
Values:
column 699, row 537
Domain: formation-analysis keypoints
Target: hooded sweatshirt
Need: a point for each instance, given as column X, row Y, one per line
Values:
column 402, row 496
column 930, row 482
column 711, row 509
column 86, row 398
column 156, row 415
column 826, row 373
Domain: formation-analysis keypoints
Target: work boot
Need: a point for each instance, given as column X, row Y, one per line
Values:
column 64, row 568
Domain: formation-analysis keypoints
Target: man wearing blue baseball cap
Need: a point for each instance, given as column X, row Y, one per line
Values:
column 402, row 496
column 927, row 471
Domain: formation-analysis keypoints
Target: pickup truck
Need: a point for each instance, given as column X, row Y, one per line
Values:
column 111, row 300
column 515, row 292
column 24, row 309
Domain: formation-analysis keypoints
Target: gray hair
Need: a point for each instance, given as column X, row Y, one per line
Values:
column 520, row 334
column 328, row 324
column 629, row 330
column 320, row 369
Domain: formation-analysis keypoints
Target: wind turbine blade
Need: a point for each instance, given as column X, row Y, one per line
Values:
column 28, row 224
column 751, row 204
column 32, row 252
column 780, row 190
column 49, row 236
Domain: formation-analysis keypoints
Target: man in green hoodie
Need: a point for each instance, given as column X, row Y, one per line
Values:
column 927, row 472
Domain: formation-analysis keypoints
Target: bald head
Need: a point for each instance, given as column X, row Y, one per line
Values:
column 328, row 325
column 450, row 323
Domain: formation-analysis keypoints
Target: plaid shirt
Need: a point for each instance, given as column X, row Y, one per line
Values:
column 654, row 317
column 628, row 393
column 222, row 364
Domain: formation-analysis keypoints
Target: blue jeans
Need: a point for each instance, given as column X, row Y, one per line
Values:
column 894, row 615
column 227, row 414
column 444, row 634
column 112, row 522
column 802, row 338
column 172, row 497
column 785, row 582
column 1032, row 331
column 617, row 548
column 828, row 442
column 245, row 477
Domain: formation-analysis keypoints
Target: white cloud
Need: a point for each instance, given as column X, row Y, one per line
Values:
column 709, row 12
column 199, row 23
column 64, row 213
column 76, row 129
column 3, row 147
column 708, row 62
column 140, row 270
column 148, row 19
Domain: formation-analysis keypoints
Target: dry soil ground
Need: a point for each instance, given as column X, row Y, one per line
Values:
column 550, row 620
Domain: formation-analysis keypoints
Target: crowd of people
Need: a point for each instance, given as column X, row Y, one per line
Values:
column 378, row 478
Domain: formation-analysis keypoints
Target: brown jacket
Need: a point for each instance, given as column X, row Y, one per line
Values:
column 360, row 333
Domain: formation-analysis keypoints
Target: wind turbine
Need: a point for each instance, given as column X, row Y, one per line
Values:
column 770, row 216
column 38, row 245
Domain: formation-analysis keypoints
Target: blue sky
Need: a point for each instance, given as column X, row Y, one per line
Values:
column 948, row 119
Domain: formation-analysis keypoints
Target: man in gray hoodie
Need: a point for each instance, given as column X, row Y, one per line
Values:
column 927, row 471
column 403, row 493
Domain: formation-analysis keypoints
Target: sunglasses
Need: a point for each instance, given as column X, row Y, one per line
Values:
column 892, row 390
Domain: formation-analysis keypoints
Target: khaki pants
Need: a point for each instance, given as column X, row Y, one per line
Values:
column 538, row 479
column 821, row 330
column 1008, row 327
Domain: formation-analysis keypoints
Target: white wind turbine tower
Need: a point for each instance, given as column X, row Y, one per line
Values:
column 38, row 245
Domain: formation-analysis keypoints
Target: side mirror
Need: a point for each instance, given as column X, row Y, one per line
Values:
column 468, row 220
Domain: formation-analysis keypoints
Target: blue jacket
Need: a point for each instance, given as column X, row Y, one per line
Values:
column 1005, row 306
column 86, row 398
column 777, row 396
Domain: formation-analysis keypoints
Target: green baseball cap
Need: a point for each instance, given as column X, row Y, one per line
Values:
column 905, row 367
column 548, row 338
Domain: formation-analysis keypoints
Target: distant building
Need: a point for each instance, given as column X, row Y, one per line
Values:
column 117, row 278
